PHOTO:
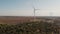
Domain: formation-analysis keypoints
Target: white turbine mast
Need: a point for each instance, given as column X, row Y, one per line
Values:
column 34, row 11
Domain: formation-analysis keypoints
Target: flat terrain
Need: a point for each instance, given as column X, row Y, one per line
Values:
column 23, row 25
column 23, row 19
column 14, row 19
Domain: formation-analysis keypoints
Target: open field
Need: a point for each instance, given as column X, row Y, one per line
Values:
column 22, row 19
column 14, row 20
column 27, row 25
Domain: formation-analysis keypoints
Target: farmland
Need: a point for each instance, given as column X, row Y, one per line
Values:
column 27, row 25
column 20, row 19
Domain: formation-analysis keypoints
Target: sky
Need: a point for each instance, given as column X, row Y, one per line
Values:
column 25, row 7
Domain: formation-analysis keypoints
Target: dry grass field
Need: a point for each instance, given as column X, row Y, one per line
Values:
column 14, row 19
column 27, row 25
column 23, row 19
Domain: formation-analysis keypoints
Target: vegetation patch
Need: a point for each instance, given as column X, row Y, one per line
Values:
column 29, row 28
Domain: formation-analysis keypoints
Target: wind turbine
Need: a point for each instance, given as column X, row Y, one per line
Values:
column 51, row 14
column 34, row 11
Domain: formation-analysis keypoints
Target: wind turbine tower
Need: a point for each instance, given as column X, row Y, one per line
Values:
column 34, row 9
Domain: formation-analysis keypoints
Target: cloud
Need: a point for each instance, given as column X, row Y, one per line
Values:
column 27, row 12
column 16, row 13
column 25, row 9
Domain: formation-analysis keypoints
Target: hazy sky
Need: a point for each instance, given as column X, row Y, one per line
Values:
column 24, row 7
